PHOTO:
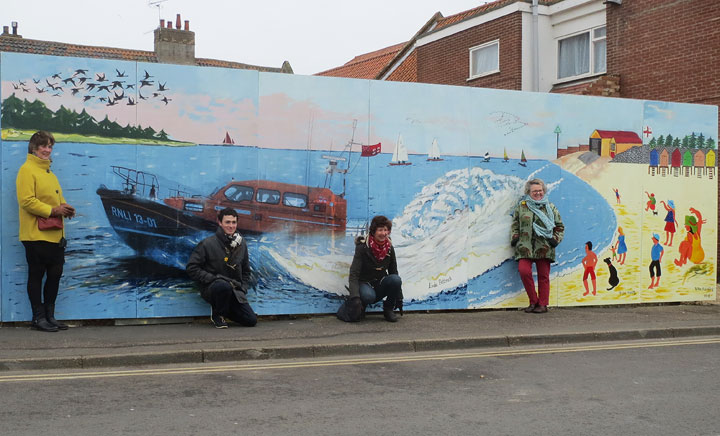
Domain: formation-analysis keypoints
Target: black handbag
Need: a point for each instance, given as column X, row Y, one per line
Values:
column 352, row 310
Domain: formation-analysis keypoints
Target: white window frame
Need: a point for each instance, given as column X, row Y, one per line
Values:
column 471, row 50
column 592, row 40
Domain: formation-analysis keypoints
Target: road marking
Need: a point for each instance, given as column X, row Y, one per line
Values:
column 353, row 361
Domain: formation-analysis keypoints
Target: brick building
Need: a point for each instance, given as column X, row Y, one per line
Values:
column 622, row 48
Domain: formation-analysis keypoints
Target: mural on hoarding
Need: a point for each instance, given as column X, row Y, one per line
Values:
column 147, row 153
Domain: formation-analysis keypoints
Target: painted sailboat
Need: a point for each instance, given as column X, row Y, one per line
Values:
column 228, row 140
column 523, row 160
column 487, row 157
column 505, row 156
column 400, row 155
column 434, row 154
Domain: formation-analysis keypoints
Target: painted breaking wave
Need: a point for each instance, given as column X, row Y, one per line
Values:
column 454, row 229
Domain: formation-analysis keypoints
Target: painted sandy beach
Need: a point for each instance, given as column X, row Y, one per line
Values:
column 690, row 282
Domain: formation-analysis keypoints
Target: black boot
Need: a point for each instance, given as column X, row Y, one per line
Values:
column 50, row 317
column 388, row 306
column 39, row 322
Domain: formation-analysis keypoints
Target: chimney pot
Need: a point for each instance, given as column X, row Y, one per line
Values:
column 187, row 24
column 162, row 23
column 6, row 30
column 169, row 24
column 178, row 24
column 14, row 27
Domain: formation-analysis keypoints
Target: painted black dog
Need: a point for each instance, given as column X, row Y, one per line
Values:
column 614, row 279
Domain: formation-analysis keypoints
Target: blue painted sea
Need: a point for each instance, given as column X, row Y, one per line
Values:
column 461, row 202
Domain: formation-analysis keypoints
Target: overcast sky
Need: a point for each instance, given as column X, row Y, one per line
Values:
column 313, row 35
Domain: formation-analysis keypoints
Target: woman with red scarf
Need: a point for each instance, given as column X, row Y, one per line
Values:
column 373, row 273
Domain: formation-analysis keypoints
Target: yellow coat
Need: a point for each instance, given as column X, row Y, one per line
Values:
column 38, row 191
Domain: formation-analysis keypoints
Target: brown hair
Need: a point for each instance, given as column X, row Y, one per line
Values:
column 228, row 211
column 39, row 138
column 379, row 221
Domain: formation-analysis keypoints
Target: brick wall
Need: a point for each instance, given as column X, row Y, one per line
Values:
column 666, row 50
column 447, row 61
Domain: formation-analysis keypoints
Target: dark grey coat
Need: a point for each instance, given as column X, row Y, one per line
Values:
column 366, row 268
column 214, row 259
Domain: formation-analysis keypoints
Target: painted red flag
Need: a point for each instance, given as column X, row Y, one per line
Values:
column 371, row 150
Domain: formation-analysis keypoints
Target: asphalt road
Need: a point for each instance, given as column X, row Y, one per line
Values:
column 639, row 388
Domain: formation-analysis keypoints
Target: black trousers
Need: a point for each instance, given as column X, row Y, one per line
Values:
column 223, row 301
column 43, row 258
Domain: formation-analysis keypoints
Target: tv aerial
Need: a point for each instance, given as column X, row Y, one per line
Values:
column 157, row 4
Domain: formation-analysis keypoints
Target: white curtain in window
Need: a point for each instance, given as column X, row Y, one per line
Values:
column 485, row 60
column 599, row 50
column 574, row 56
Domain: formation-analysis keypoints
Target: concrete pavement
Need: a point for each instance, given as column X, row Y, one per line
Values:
column 87, row 346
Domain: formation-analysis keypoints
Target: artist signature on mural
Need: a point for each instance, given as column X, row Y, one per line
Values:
column 441, row 281
column 707, row 291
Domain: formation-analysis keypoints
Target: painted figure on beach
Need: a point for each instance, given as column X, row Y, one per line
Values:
column 690, row 248
column 620, row 246
column 651, row 203
column 670, row 222
column 656, row 255
column 589, row 262
column 617, row 195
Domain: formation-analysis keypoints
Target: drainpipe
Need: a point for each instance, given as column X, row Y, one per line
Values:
column 535, row 48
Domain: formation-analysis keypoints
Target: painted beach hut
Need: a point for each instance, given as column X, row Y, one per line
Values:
column 664, row 161
column 687, row 162
column 611, row 142
column 710, row 163
column 676, row 162
column 699, row 162
column 654, row 161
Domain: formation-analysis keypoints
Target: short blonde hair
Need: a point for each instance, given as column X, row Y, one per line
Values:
column 535, row 182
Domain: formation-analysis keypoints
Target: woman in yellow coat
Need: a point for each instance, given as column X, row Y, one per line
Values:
column 40, row 197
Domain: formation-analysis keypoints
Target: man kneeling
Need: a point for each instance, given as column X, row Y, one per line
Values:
column 221, row 266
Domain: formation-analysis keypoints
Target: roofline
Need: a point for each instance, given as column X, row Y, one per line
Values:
column 114, row 53
column 350, row 63
column 404, row 52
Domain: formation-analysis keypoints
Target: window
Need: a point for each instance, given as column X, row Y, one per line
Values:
column 484, row 59
column 239, row 193
column 582, row 54
column 294, row 200
column 268, row 196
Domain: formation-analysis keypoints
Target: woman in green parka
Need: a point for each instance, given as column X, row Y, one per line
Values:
column 535, row 232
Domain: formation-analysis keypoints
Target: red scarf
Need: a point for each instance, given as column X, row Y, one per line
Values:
column 379, row 250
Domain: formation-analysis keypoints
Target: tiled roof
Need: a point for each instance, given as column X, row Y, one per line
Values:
column 406, row 71
column 376, row 64
column 470, row 13
column 621, row 136
column 285, row 68
column 53, row 48
column 365, row 66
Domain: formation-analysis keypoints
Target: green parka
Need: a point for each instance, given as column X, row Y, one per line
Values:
column 528, row 245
